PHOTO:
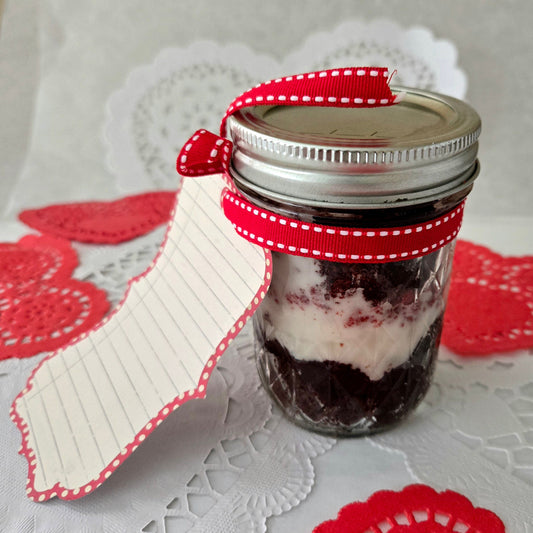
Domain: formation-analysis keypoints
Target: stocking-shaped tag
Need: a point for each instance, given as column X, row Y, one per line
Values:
column 87, row 407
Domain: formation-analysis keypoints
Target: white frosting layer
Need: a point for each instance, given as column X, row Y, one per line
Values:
column 348, row 329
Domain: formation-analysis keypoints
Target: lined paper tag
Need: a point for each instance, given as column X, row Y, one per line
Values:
column 87, row 407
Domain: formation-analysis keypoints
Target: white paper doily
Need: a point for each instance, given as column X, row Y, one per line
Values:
column 214, row 457
column 213, row 464
column 185, row 89
column 474, row 433
column 110, row 267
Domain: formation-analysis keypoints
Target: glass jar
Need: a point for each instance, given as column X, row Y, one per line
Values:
column 349, row 347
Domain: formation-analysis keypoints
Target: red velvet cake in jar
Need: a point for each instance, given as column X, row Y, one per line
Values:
column 348, row 333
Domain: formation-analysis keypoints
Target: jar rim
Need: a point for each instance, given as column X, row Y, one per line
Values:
column 423, row 146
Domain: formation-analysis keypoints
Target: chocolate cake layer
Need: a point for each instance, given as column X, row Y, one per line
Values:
column 334, row 397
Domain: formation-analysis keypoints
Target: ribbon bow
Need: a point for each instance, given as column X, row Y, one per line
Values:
column 206, row 153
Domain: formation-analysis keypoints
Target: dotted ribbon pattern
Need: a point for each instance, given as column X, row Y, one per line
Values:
column 206, row 153
column 203, row 154
column 332, row 243
column 346, row 87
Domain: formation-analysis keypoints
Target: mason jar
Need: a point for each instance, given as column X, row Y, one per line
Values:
column 347, row 343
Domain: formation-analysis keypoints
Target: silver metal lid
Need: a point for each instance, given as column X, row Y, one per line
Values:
column 420, row 149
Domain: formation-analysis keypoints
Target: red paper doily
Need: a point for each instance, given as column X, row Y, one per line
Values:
column 416, row 509
column 41, row 307
column 490, row 304
column 35, row 258
column 103, row 222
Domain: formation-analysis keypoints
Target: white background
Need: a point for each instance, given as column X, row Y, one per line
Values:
column 56, row 152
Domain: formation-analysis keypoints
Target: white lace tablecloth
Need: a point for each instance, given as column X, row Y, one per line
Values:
column 231, row 462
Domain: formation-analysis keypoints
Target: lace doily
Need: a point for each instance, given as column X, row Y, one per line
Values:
column 111, row 267
column 34, row 259
column 490, row 304
column 41, row 306
column 269, row 471
column 103, row 222
column 222, row 462
column 477, row 420
column 416, row 509
column 185, row 89
column 226, row 490
column 160, row 105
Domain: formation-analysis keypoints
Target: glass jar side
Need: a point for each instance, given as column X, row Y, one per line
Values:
column 350, row 348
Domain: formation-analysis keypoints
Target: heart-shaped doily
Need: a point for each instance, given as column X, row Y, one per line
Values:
column 35, row 258
column 490, row 304
column 103, row 222
column 41, row 307
column 45, row 316
column 416, row 509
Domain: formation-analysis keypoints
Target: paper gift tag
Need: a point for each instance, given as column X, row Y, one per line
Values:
column 87, row 407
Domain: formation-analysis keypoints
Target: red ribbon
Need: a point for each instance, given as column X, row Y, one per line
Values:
column 206, row 153
column 344, row 87
column 333, row 243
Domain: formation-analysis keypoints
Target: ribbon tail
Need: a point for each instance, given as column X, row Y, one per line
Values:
column 341, row 87
column 203, row 154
